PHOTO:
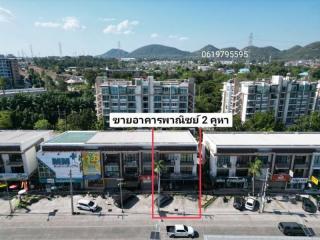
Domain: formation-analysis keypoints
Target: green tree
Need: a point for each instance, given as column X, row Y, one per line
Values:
column 61, row 125
column 263, row 121
column 5, row 120
column 2, row 84
column 255, row 170
column 158, row 169
column 42, row 124
column 90, row 76
column 307, row 123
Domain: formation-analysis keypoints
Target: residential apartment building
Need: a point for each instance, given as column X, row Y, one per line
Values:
column 9, row 70
column 102, row 159
column 145, row 96
column 291, row 158
column 287, row 99
column 18, row 153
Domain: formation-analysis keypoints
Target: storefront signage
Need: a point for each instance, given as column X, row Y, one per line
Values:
column 236, row 180
column 314, row 180
column 91, row 165
column 13, row 176
column 280, row 177
column 61, row 163
column 299, row 180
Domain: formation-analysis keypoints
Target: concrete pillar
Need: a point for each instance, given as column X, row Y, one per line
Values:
column 195, row 164
column 213, row 165
column 177, row 157
column 233, row 161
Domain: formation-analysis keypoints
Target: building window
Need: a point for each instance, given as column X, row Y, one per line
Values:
column 186, row 169
column 186, row 158
column 223, row 173
column 223, row 161
column 15, row 158
column 132, row 98
column 157, row 98
column 114, row 90
column 183, row 90
column 298, row 173
column 242, row 172
column 316, row 162
column 44, row 171
column 111, row 170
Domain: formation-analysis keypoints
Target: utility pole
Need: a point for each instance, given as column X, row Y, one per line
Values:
column 71, row 191
column 263, row 196
column 159, row 192
column 8, row 196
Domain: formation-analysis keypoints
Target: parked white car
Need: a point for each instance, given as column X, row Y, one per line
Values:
column 88, row 205
column 250, row 203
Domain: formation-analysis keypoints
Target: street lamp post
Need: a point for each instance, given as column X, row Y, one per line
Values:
column 8, row 195
column 120, row 186
column 71, row 191
column 263, row 195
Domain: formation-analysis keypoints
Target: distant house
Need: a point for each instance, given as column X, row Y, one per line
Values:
column 244, row 70
column 74, row 81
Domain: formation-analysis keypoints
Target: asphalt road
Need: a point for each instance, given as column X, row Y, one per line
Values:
column 138, row 227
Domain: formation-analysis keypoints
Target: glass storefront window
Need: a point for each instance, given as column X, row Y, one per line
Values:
column 223, row 161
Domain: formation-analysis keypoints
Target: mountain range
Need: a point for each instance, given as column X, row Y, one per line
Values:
column 157, row 51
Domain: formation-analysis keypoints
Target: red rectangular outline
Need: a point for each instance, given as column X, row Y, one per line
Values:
column 199, row 216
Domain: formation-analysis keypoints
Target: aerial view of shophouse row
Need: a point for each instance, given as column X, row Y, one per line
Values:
column 149, row 119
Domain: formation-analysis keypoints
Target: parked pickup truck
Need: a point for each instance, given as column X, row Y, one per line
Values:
column 180, row 230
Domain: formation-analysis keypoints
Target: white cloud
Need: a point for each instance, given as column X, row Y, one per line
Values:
column 72, row 23
column 107, row 19
column 6, row 15
column 124, row 27
column 67, row 23
column 154, row 35
column 183, row 38
column 177, row 37
column 47, row 24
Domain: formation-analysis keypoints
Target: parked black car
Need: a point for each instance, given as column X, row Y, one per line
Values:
column 308, row 205
column 239, row 203
column 126, row 197
column 165, row 199
column 291, row 229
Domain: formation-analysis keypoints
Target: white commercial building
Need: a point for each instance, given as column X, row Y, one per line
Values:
column 18, row 153
column 292, row 158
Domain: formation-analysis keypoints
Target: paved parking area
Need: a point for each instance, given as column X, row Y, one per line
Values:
column 181, row 205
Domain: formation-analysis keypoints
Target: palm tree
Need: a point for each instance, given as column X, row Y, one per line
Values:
column 255, row 170
column 158, row 168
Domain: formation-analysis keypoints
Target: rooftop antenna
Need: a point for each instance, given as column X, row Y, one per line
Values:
column 31, row 50
column 60, row 49
column 249, row 50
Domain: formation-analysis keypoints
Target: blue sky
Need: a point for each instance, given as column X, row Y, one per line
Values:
column 95, row 26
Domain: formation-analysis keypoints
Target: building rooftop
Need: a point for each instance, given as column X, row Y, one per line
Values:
column 143, row 138
column 23, row 138
column 137, row 137
column 274, row 140
column 73, row 137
